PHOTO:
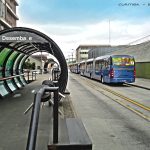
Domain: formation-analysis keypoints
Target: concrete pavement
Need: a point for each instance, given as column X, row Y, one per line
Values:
column 142, row 83
column 14, row 125
column 109, row 125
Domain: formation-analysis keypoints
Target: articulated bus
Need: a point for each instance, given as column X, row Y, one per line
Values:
column 114, row 69
column 74, row 68
column 89, row 67
column 82, row 67
column 107, row 69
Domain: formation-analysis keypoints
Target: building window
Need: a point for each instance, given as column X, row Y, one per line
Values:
column 83, row 52
column 2, row 27
column 2, row 9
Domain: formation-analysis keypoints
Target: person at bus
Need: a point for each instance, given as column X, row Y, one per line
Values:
column 50, row 69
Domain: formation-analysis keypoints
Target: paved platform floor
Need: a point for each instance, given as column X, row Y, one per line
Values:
column 141, row 82
column 14, row 125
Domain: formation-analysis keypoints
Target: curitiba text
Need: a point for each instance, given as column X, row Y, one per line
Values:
column 129, row 4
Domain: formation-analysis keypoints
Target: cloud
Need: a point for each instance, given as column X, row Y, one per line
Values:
column 69, row 37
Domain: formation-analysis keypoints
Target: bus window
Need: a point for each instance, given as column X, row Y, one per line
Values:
column 123, row 61
column 106, row 63
column 109, row 61
column 97, row 65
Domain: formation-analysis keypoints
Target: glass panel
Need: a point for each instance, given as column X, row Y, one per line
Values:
column 17, row 82
column 20, row 69
column 23, row 80
column 10, row 84
column 2, row 10
column 3, row 90
column 10, row 61
column 21, row 63
column 16, row 63
column 4, row 53
column 9, row 70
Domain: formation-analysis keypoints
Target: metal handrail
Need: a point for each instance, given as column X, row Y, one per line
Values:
column 11, row 77
column 31, row 142
column 55, row 74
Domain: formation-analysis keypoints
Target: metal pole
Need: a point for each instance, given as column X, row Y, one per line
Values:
column 32, row 75
column 41, row 62
column 35, row 75
column 28, row 75
column 68, row 59
column 109, row 32
column 31, row 144
column 72, row 56
column 55, row 117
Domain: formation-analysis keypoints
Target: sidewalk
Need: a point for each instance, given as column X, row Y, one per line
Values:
column 14, row 125
column 142, row 83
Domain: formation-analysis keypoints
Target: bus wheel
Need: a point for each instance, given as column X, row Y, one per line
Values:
column 102, row 80
column 121, row 83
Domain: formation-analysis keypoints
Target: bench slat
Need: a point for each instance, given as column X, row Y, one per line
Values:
column 76, row 131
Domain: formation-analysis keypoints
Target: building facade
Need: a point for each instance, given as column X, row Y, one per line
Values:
column 82, row 52
column 104, row 50
column 141, row 53
column 8, row 16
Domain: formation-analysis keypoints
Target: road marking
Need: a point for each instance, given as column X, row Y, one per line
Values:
column 130, row 108
column 124, row 105
column 128, row 99
column 121, row 103
column 124, row 97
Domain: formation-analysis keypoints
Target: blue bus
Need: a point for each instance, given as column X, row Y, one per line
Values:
column 82, row 68
column 89, row 68
column 114, row 69
column 74, row 68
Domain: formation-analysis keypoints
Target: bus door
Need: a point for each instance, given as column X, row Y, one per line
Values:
column 106, row 68
column 89, row 68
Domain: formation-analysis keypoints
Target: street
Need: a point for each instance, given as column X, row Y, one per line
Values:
column 109, row 124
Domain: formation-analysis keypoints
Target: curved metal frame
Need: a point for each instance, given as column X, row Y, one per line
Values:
column 11, row 71
column 3, row 73
column 17, row 62
column 53, row 47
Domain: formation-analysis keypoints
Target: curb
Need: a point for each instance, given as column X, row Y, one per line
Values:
column 139, row 86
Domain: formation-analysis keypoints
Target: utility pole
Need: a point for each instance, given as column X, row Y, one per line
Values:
column 41, row 63
column 68, row 59
column 109, row 33
column 72, row 55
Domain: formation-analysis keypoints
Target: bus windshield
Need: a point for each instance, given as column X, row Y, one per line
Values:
column 123, row 61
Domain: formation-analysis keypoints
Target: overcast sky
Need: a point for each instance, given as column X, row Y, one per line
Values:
column 73, row 22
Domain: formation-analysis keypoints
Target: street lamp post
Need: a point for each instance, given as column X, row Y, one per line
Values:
column 68, row 58
column 72, row 54
column 41, row 63
column 72, row 57
column 109, row 33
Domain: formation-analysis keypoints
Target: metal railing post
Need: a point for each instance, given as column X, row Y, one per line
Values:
column 55, row 117
column 31, row 143
column 35, row 75
column 28, row 76
column 32, row 75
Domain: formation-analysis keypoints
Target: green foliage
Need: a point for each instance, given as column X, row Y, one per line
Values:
column 29, row 65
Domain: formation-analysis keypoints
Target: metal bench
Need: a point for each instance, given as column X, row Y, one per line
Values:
column 72, row 136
